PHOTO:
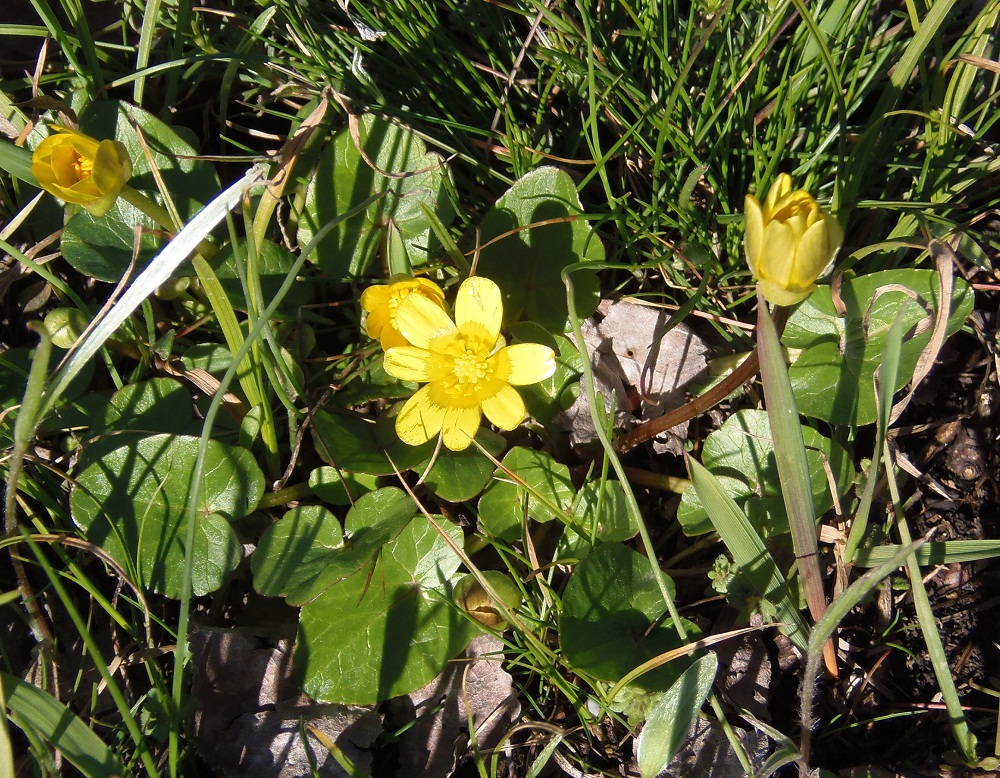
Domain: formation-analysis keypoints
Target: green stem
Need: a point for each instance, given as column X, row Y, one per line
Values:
column 284, row 496
column 249, row 376
column 161, row 216
column 965, row 740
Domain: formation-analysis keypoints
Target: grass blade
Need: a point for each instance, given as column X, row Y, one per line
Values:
column 790, row 458
column 749, row 552
column 56, row 723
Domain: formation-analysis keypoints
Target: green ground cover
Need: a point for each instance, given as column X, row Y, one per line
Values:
column 338, row 341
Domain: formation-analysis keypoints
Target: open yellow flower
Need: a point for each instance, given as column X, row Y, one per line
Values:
column 467, row 369
column 382, row 302
column 788, row 242
column 80, row 169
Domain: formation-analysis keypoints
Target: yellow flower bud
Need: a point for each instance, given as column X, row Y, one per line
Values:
column 382, row 302
column 80, row 169
column 789, row 242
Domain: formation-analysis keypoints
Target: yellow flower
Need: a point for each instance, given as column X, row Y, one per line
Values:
column 382, row 302
column 80, row 169
column 467, row 369
column 789, row 242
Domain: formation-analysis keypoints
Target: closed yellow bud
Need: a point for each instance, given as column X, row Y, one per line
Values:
column 81, row 170
column 788, row 242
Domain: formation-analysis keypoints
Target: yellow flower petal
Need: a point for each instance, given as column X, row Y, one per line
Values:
column 377, row 321
column 782, row 186
column 375, row 297
column 777, row 253
column 407, row 363
column 466, row 367
column 505, row 409
column 381, row 302
column 392, row 338
column 419, row 420
column 479, row 300
column 526, row 363
column 428, row 289
column 81, row 170
column 781, row 295
column 420, row 320
column 460, row 427
column 789, row 242
column 812, row 255
column 753, row 240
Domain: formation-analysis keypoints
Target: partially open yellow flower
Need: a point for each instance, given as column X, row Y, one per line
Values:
column 467, row 369
column 80, row 169
column 788, row 242
column 382, row 302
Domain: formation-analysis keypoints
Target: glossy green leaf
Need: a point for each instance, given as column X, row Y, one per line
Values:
column 157, row 405
column 547, row 488
column 335, row 487
column 547, row 398
column 461, row 475
column 673, row 716
column 305, row 552
column 539, row 228
column 611, row 620
column 741, row 455
column 101, row 246
column 131, row 498
column 600, row 516
column 359, row 444
column 294, row 551
column 365, row 640
column 393, row 162
column 833, row 376
column 57, row 724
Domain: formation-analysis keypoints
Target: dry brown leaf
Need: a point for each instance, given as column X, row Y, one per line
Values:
column 430, row 747
column 247, row 721
column 629, row 360
column 709, row 754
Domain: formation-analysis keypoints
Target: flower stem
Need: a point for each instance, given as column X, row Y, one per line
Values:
column 161, row 216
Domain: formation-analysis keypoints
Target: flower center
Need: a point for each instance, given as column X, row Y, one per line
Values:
column 461, row 369
column 83, row 167
column 470, row 366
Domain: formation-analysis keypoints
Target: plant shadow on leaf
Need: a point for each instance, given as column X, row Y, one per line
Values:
column 131, row 498
column 374, row 636
column 540, row 230
column 611, row 621
column 392, row 162
column 833, row 377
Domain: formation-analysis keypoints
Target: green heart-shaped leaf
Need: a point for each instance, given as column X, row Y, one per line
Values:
column 833, row 376
column 305, row 552
column 365, row 640
column 741, row 455
column 461, row 475
column 375, row 157
column 535, row 230
column 131, row 498
column 548, row 488
column 611, row 623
